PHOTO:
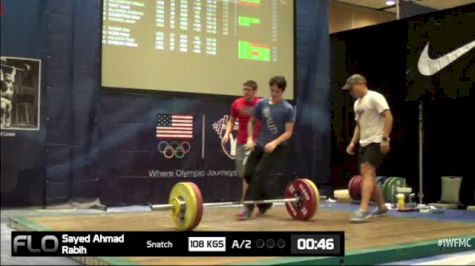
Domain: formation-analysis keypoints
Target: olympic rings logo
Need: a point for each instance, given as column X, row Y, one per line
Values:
column 174, row 149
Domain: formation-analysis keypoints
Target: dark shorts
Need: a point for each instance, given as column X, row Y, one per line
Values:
column 371, row 154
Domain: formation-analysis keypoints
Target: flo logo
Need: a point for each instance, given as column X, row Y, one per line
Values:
column 220, row 127
column 23, row 244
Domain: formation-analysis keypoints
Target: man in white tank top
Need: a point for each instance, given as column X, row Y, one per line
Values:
column 373, row 127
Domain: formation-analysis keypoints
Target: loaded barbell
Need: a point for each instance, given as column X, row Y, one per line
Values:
column 302, row 200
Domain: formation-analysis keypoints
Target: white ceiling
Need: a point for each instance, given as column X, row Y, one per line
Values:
column 435, row 4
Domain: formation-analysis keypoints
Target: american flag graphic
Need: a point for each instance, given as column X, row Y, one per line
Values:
column 174, row 126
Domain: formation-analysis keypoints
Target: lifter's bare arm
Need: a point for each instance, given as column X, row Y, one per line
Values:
column 250, row 134
column 229, row 129
column 354, row 140
column 388, row 126
column 289, row 130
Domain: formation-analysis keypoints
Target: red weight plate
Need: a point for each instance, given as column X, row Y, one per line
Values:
column 358, row 185
column 305, row 208
column 199, row 203
column 350, row 188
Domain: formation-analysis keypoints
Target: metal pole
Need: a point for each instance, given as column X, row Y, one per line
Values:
column 398, row 14
column 271, row 201
column 228, row 203
column 421, row 142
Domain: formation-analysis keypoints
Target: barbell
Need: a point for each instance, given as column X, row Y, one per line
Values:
column 302, row 200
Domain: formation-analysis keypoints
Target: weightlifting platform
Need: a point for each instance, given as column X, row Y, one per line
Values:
column 396, row 237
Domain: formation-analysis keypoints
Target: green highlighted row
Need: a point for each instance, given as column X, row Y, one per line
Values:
column 253, row 51
column 248, row 21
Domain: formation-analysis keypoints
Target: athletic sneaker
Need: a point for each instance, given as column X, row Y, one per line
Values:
column 263, row 208
column 245, row 213
column 380, row 212
column 360, row 217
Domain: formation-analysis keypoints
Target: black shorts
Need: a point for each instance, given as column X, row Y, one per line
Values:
column 371, row 154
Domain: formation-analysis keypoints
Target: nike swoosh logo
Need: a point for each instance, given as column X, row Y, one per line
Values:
column 428, row 66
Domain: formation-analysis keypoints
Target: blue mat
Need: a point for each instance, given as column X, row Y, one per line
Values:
column 462, row 216
column 436, row 259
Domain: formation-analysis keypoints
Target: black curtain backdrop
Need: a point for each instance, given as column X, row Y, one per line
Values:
column 56, row 163
column 388, row 55
column 376, row 53
column 313, row 93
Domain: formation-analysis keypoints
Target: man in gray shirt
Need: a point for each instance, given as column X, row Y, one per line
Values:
column 373, row 127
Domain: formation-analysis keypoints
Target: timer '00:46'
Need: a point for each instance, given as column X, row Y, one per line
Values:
column 315, row 244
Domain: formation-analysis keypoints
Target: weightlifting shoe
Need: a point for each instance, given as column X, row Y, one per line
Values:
column 360, row 217
column 245, row 213
column 263, row 208
column 380, row 212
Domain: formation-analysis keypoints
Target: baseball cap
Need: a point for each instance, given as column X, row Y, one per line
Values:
column 354, row 79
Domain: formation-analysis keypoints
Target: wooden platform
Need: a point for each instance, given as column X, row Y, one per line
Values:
column 384, row 234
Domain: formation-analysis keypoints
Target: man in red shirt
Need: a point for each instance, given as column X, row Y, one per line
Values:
column 241, row 111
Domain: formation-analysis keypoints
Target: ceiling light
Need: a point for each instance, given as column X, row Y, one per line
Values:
column 390, row 2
